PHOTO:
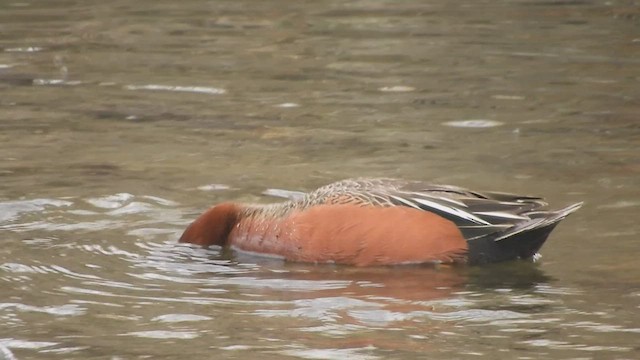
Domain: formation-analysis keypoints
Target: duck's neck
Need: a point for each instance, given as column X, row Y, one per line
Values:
column 266, row 210
column 214, row 225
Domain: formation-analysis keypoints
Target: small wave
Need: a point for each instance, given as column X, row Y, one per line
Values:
column 332, row 354
column 54, row 82
column 25, row 344
column 110, row 201
column 191, row 89
column 163, row 334
column 476, row 123
column 325, row 309
column 175, row 318
column 397, row 88
column 27, row 49
column 62, row 310
column 11, row 210
column 555, row 344
column 288, row 105
column 6, row 354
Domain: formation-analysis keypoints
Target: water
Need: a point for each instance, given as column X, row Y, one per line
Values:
column 121, row 121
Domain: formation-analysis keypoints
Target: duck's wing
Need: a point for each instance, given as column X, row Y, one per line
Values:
column 477, row 214
column 497, row 226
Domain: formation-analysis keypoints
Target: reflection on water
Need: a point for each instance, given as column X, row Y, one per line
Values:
column 141, row 285
column 121, row 122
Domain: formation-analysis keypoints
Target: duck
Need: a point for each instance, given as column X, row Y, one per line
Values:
column 383, row 222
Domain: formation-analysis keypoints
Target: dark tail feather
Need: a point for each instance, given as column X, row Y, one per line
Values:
column 522, row 241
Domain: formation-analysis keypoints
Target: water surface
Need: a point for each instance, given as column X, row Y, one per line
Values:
column 121, row 121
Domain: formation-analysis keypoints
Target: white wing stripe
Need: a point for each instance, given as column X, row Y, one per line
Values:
column 503, row 215
column 453, row 211
column 405, row 201
column 440, row 198
column 527, row 226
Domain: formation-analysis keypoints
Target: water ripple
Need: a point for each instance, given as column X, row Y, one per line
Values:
column 475, row 123
column 110, row 201
column 335, row 329
column 174, row 318
column 108, row 250
column 555, row 344
column 5, row 353
column 326, row 309
column 11, row 210
column 25, row 344
column 68, row 227
column 139, row 265
column 62, row 310
column 596, row 327
column 191, row 89
column 332, row 354
column 28, row 49
column 163, row 334
column 22, row 268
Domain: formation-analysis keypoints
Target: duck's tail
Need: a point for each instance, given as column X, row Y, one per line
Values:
column 522, row 241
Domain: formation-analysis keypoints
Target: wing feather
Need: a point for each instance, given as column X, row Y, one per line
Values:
column 478, row 214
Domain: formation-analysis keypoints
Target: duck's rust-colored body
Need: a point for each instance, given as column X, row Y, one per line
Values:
column 367, row 222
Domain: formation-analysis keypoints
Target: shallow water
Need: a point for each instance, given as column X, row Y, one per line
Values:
column 121, row 121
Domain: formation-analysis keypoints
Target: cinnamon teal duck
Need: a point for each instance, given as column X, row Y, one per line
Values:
column 368, row 222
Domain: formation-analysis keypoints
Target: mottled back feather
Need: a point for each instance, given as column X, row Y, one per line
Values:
column 478, row 214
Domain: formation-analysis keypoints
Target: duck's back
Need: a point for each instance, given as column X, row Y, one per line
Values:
column 497, row 226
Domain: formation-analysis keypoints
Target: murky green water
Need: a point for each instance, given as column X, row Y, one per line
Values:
column 120, row 121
